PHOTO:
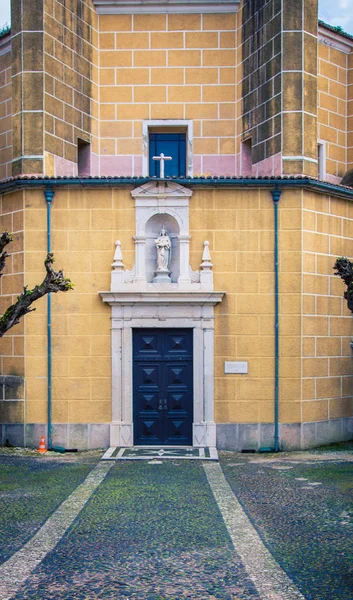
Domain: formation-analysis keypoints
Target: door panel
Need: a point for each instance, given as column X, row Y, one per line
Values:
column 177, row 432
column 149, row 402
column 147, row 345
column 163, row 386
column 178, row 345
column 148, row 431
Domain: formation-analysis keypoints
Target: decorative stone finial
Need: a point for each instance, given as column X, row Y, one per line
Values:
column 117, row 274
column 118, row 264
column 206, row 264
column 206, row 274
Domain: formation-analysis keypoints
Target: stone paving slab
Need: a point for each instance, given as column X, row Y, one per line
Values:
column 155, row 452
column 151, row 531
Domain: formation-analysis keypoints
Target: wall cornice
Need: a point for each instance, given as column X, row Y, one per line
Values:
column 307, row 183
column 5, row 44
column 110, row 7
column 334, row 40
column 162, row 298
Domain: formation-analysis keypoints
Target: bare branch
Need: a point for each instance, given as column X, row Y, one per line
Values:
column 344, row 270
column 5, row 239
column 53, row 282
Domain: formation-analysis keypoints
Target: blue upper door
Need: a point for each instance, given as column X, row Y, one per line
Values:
column 170, row 144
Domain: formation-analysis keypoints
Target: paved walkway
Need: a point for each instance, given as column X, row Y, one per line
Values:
column 169, row 530
column 302, row 507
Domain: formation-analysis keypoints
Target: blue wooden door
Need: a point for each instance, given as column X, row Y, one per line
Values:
column 171, row 144
column 163, row 386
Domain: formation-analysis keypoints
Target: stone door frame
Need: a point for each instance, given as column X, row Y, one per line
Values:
column 162, row 310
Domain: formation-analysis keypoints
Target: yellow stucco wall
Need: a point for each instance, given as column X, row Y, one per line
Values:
column 168, row 67
column 327, row 322
column 350, row 112
column 332, row 107
column 12, row 281
column 85, row 225
column 315, row 325
column 239, row 225
column 5, row 112
column 11, row 284
column 70, row 58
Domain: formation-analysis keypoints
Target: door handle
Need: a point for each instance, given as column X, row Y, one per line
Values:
column 160, row 407
column 165, row 404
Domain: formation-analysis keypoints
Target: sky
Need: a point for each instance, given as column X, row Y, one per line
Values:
column 4, row 13
column 337, row 12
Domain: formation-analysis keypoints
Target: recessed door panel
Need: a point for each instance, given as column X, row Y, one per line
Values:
column 178, row 345
column 147, row 344
column 178, row 431
column 147, row 430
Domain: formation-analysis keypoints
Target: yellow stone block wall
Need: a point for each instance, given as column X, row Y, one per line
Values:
column 327, row 322
column 240, row 170
column 71, row 83
column 12, row 281
column 5, row 110
column 350, row 113
column 168, row 67
column 332, row 109
column 240, row 227
column 27, row 88
column 85, row 225
column 299, row 88
column 315, row 325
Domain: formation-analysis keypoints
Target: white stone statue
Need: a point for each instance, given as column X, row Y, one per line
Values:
column 164, row 246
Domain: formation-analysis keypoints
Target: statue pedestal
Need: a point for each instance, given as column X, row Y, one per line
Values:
column 162, row 276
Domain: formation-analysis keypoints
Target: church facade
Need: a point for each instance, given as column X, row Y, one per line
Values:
column 183, row 162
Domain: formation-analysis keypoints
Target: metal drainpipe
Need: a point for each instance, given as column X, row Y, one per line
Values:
column 49, row 195
column 276, row 194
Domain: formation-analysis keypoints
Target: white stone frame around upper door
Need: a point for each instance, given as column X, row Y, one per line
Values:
column 179, row 126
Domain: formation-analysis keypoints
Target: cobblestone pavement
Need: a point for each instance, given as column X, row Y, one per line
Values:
column 302, row 507
column 153, row 531
column 31, row 488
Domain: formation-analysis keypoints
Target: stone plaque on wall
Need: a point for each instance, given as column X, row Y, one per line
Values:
column 235, row 367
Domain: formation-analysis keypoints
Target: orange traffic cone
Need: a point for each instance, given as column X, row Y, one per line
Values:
column 42, row 449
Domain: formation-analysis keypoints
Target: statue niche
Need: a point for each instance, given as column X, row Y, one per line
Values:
column 162, row 249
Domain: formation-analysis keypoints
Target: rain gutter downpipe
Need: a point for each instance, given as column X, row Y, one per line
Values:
column 49, row 195
column 276, row 194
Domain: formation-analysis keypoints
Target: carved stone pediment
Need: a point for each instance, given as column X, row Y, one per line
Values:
column 161, row 189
